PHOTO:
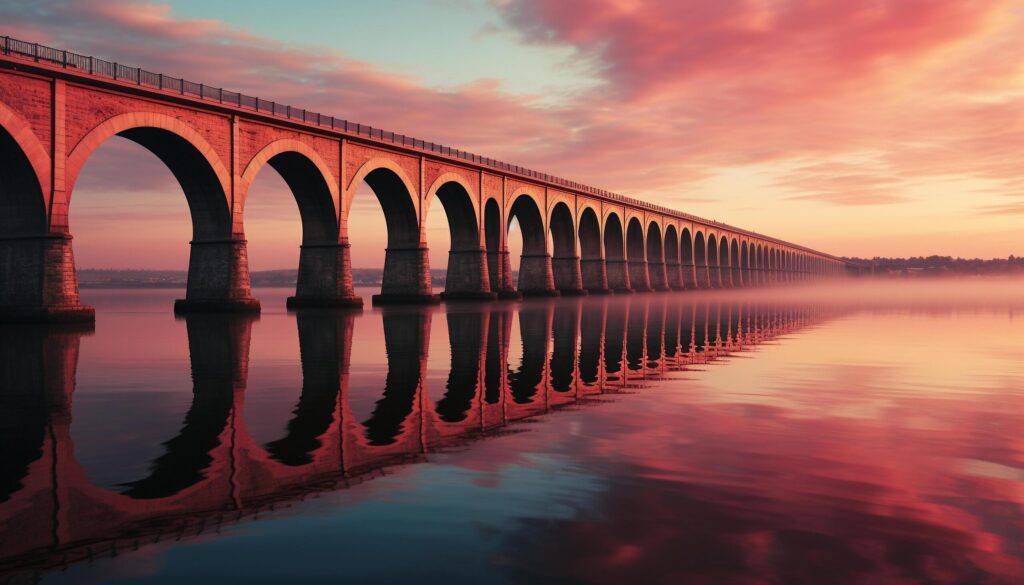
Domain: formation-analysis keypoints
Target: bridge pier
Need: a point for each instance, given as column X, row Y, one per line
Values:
column 658, row 276
column 568, row 275
column 689, row 276
column 638, row 277
column 218, row 279
column 38, row 282
column 594, row 275
column 674, row 276
column 406, row 278
column 535, row 276
column 467, row 277
column 325, row 277
column 618, row 276
column 506, row 288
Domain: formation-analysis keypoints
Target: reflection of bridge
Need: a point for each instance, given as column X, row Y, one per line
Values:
column 213, row 471
column 57, row 107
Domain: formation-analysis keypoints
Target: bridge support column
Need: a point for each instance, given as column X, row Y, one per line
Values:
column 467, row 277
column 535, row 276
column 38, row 282
column 689, row 276
column 568, row 275
column 618, row 276
column 638, row 277
column 506, row 288
column 218, row 279
column 674, row 276
column 595, row 277
column 325, row 277
column 715, row 277
column 406, row 278
column 658, row 275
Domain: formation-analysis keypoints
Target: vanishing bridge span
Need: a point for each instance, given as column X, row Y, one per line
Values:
column 57, row 107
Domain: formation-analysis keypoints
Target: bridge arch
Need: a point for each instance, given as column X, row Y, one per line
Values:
column 656, row 256
column 535, row 263
column 639, row 279
column 311, row 182
column 615, row 252
column 493, row 240
column 724, row 263
column 200, row 172
column 736, row 261
column 700, row 259
column 590, row 235
column 714, row 272
column 565, row 264
column 23, row 175
column 672, row 265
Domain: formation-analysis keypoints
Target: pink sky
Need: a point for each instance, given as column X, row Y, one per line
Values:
column 885, row 127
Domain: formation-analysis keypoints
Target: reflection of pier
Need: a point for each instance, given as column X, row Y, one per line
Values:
column 213, row 472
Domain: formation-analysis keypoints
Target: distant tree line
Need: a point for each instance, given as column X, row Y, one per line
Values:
column 940, row 265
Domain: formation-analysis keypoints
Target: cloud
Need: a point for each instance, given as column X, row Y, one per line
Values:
column 687, row 90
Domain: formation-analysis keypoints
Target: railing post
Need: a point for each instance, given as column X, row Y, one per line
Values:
column 115, row 71
column 90, row 65
column 201, row 87
column 64, row 59
column 7, row 45
column 160, row 81
column 220, row 95
column 35, row 51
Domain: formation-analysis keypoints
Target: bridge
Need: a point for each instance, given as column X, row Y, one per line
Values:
column 57, row 107
column 214, row 472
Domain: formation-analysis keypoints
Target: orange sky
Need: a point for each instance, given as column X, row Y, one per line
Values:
column 885, row 127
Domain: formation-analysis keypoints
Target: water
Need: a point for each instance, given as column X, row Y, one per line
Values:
column 814, row 435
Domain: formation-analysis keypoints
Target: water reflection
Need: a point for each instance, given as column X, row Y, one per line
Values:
column 507, row 362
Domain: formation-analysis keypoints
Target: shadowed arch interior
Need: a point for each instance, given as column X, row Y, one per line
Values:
column 492, row 239
column 207, row 203
column 655, row 244
column 22, row 210
column 635, row 240
column 531, row 223
column 563, row 234
column 312, row 194
column 671, row 245
column 700, row 255
column 613, row 238
column 712, row 251
column 458, row 208
column 399, row 211
column 590, row 235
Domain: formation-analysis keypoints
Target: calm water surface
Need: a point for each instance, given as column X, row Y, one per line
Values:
column 785, row 436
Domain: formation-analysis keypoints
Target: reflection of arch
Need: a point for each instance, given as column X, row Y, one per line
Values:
column 614, row 342
column 496, row 354
column 190, row 158
column 563, row 349
column 654, row 333
column 218, row 349
column 635, row 336
column 25, row 169
column 325, row 341
column 465, row 337
column 533, row 327
column 591, row 338
column 404, row 344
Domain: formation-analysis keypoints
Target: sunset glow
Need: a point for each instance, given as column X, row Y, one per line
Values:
column 884, row 128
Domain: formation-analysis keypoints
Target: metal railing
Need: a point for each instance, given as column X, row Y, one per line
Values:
column 158, row 81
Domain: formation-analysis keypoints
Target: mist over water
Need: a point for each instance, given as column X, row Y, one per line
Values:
column 855, row 431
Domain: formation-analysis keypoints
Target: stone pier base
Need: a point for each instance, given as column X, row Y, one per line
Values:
column 38, row 282
column 218, row 279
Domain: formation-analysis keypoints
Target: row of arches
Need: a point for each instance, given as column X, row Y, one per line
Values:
column 568, row 245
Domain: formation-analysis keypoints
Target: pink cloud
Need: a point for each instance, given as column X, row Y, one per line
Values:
column 690, row 89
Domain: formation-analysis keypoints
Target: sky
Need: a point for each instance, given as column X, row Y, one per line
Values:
column 872, row 128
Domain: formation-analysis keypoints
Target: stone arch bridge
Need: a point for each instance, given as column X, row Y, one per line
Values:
column 57, row 107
